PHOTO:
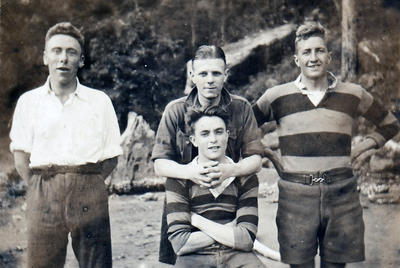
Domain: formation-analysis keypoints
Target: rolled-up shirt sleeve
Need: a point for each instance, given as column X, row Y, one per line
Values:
column 165, row 141
column 21, row 133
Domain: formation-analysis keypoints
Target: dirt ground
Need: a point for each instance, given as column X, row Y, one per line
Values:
column 135, row 223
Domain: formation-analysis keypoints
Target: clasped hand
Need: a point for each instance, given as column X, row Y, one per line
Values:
column 209, row 174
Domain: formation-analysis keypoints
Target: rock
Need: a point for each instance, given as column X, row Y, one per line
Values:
column 137, row 143
column 387, row 158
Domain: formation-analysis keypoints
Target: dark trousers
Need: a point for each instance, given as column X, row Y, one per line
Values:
column 60, row 204
column 220, row 259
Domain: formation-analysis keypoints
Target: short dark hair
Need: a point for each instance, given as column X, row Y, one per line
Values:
column 309, row 29
column 68, row 29
column 193, row 115
column 209, row 52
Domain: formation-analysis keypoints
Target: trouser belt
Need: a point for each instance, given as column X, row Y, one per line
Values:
column 91, row 168
column 327, row 177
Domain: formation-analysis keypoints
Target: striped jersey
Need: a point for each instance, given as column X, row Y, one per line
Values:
column 238, row 201
column 318, row 137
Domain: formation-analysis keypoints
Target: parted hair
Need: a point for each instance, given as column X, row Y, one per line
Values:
column 193, row 115
column 309, row 29
column 209, row 52
column 68, row 29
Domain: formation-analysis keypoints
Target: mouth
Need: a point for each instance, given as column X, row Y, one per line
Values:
column 214, row 148
column 63, row 69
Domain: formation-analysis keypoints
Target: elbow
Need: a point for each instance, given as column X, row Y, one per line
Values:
column 157, row 167
column 244, row 246
column 258, row 163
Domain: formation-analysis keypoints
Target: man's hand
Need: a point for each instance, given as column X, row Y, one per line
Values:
column 203, row 174
column 362, row 152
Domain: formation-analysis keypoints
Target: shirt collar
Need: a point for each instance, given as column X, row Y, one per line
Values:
column 80, row 90
column 192, row 99
column 332, row 82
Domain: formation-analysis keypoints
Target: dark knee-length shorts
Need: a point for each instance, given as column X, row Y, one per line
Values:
column 328, row 216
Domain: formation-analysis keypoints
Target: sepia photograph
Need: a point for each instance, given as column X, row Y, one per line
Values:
column 200, row 133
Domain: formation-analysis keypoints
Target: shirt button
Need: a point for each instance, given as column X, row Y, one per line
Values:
column 85, row 209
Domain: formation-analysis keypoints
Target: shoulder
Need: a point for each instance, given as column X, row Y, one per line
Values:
column 238, row 101
column 273, row 93
column 175, row 109
column 94, row 94
column 31, row 96
column 176, row 104
column 350, row 88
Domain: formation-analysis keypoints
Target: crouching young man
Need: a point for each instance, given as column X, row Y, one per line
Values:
column 212, row 227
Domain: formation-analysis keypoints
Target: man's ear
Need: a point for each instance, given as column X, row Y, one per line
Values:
column 81, row 61
column 193, row 140
column 329, row 56
column 296, row 60
column 45, row 60
column 226, row 74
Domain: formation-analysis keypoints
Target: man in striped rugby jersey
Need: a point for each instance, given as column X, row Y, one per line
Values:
column 318, row 200
column 212, row 227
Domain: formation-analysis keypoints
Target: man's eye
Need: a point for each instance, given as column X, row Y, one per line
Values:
column 217, row 74
column 72, row 52
column 306, row 52
column 56, row 50
column 203, row 74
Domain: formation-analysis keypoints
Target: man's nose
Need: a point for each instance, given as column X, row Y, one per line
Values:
column 210, row 78
column 313, row 56
column 64, row 56
column 213, row 138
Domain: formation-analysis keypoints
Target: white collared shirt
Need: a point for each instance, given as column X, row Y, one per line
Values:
column 82, row 130
column 316, row 96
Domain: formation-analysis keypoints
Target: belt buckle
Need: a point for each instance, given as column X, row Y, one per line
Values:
column 320, row 178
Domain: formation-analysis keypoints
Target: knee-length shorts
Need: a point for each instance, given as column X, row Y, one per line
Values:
column 328, row 216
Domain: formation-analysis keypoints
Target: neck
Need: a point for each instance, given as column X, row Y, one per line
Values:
column 202, row 159
column 205, row 103
column 320, row 83
column 61, row 90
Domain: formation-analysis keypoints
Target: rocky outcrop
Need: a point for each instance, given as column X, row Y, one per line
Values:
column 135, row 163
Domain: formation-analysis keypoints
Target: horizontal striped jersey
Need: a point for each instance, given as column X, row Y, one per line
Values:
column 318, row 137
column 238, row 201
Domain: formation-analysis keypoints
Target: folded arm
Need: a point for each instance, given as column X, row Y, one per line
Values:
column 239, row 235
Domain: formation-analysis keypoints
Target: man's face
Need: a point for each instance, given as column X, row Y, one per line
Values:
column 211, row 137
column 209, row 77
column 63, row 56
column 312, row 57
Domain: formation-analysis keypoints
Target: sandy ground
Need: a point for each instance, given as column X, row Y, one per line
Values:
column 135, row 223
